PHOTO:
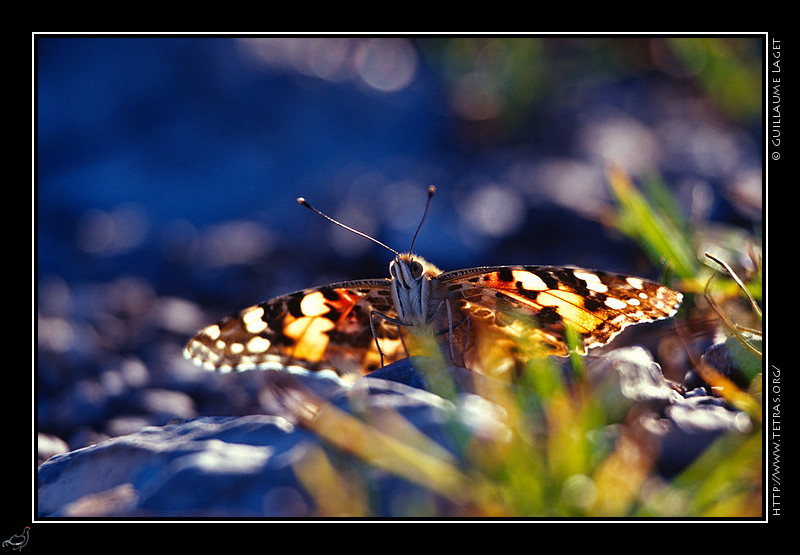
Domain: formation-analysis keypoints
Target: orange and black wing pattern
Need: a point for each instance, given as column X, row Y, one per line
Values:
column 315, row 329
column 537, row 301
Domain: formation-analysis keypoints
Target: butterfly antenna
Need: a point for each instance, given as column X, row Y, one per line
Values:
column 431, row 191
column 304, row 202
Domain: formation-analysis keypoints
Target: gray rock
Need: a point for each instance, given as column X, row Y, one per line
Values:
column 289, row 461
column 215, row 465
column 627, row 376
column 48, row 445
column 237, row 466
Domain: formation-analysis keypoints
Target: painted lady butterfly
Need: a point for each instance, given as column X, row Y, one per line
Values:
column 355, row 327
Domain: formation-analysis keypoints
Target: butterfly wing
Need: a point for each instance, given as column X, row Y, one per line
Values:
column 495, row 308
column 315, row 329
column 537, row 301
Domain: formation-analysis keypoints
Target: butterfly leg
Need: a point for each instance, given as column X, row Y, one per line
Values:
column 450, row 328
column 394, row 321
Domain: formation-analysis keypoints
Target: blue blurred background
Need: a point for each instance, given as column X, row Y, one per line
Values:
column 167, row 170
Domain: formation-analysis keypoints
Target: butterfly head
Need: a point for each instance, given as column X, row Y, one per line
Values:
column 409, row 270
column 411, row 283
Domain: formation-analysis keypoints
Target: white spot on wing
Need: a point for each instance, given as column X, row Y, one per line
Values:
column 592, row 281
column 212, row 331
column 258, row 345
column 313, row 304
column 635, row 282
column 252, row 320
column 616, row 304
column 529, row 280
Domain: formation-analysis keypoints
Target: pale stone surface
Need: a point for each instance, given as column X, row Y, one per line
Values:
column 257, row 465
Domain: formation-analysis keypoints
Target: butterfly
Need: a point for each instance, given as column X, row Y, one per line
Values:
column 355, row 327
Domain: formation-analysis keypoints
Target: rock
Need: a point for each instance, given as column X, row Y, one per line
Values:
column 230, row 466
column 689, row 425
column 683, row 424
column 321, row 446
column 626, row 376
column 48, row 445
column 207, row 465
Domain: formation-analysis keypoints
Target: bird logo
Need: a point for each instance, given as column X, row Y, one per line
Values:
column 18, row 541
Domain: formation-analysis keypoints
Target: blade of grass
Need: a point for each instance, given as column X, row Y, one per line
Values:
column 727, row 323
column 349, row 434
column 726, row 470
column 332, row 494
column 756, row 308
column 655, row 232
